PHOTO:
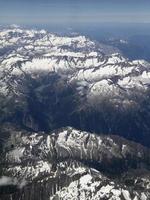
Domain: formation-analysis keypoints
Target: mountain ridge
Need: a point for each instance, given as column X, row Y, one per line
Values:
column 29, row 160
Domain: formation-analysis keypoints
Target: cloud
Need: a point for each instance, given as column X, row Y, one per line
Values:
column 5, row 180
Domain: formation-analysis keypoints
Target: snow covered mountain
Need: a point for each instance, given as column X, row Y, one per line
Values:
column 98, row 77
column 70, row 164
column 99, row 70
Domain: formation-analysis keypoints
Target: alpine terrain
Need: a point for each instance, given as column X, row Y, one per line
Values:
column 74, row 119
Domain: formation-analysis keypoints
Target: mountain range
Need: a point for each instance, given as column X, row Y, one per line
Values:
column 74, row 119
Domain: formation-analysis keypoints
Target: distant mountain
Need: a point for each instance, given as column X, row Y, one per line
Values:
column 133, row 47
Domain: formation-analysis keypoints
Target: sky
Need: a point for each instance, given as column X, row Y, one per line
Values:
column 74, row 11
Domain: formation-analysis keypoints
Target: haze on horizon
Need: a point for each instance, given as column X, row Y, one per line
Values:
column 74, row 11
